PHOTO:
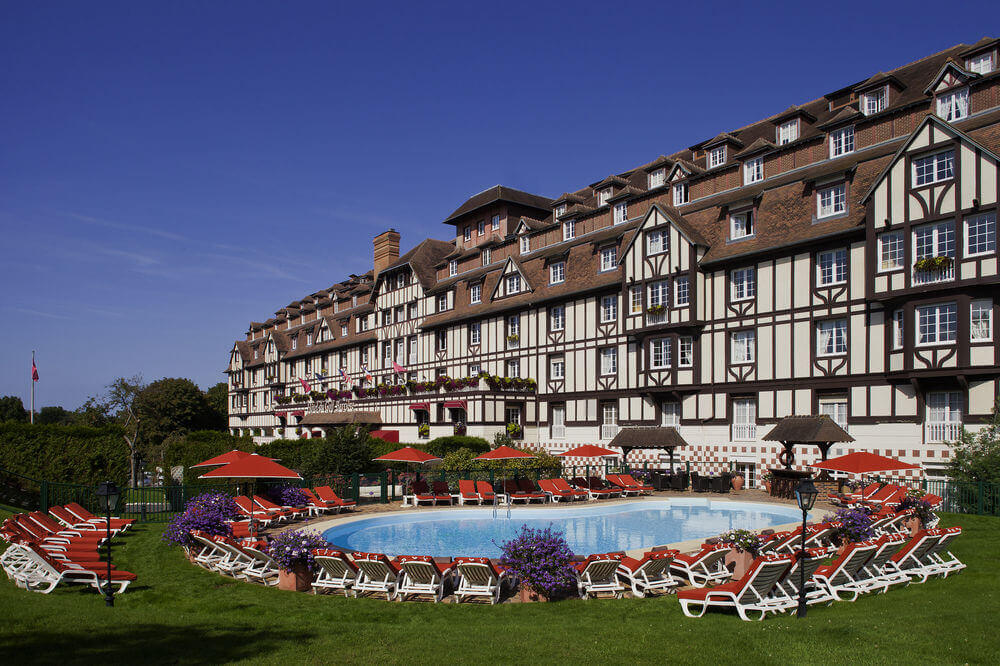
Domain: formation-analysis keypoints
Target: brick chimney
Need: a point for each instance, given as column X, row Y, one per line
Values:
column 386, row 247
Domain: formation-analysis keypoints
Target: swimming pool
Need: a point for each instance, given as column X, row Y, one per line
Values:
column 588, row 529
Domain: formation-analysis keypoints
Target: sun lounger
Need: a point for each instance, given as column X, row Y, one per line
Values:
column 316, row 506
column 597, row 483
column 83, row 514
column 622, row 487
column 866, row 492
column 704, row 567
column 249, row 510
column 874, row 576
column 514, row 493
column 555, row 494
column 910, row 558
column 629, row 479
column 467, row 493
column 599, row 573
column 75, row 523
column 841, row 577
column 442, row 493
column 564, row 486
column 485, row 490
column 479, row 577
column 593, row 492
column 422, row 575
column 289, row 512
column 331, row 498
column 207, row 552
column 378, row 574
column 263, row 569
column 753, row 593
column 49, row 572
column 649, row 574
column 789, row 584
column 934, row 558
column 528, row 487
column 335, row 570
column 421, row 494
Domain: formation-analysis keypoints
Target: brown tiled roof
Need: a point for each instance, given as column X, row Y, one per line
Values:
column 846, row 114
column 807, row 430
column 626, row 192
column 333, row 345
column 648, row 438
column 661, row 161
column 243, row 347
column 613, row 180
column 568, row 198
column 423, row 258
column 721, row 137
column 499, row 193
column 758, row 146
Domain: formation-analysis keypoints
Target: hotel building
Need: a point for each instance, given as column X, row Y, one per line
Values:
column 837, row 258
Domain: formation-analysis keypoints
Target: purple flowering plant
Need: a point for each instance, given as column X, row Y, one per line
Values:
column 287, row 495
column 208, row 512
column 294, row 546
column 540, row 559
column 856, row 523
column 921, row 508
column 744, row 540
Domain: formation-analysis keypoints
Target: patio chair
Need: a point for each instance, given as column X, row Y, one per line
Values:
column 561, row 484
column 639, row 485
column 422, row 575
column 316, row 505
column 649, row 574
column 788, row 585
column 597, row 483
column 485, row 490
column 721, row 483
column 54, row 528
column 83, row 514
column 599, row 574
column 235, row 560
column 873, row 575
column 75, row 523
column 555, row 494
column 442, row 493
column 263, row 569
column 753, row 593
column 934, row 558
column 207, row 552
column 514, row 493
column 528, row 487
column 249, row 510
column 327, row 495
column 467, row 493
column 49, row 572
column 910, row 558
column 289, row 512
column 841, row 576
column 421, row 494
column 867, row 491
column 622, row 486
column 335, row 571
column 479, row 577
column 378, row 575
column 704, row 567
column 876, row 497
column 32, row 530
column 677, row 482
column 595, row 492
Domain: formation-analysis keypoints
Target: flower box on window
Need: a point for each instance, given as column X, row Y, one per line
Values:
column 656, row 309
column 513, row 338
column 424, row 430
column 933, row 263
column 298, row 397
column 514, row 430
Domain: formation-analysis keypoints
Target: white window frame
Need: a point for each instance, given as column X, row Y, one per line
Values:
column 608, row 361
column 656, row 242
column 603, row 196
column 621, row 212
column 942, row 168
column 557, row 315
column 670, row 414
column 936, row 324
column 659, row 353
column 788, row 131
column 831, row 338
column 831, row 267
column 980, row 64
column 657, row 178
column 609, row 420
column 842, row 141
column 744, row 426
column 569, row 230
column 680, row 194
column 441, row 341
column 512, row 284
column 743, row 280
column 898, row 329
column 513, row 325
column 875, row 101
column 557, row 272
column 743, row 347
column 831, row 200
column 486, row 255
column 659, row 293
column 981, row 320
column 981, row 229
column 685, row 351
column 467, row 235
column 716, row 157
column 525, row 244
column 442, row 302
column 476, row 293
column 481, row 227
column 953, row 105
column 741, row 225
column 635, row 300
column 943, row 420
column 836, row 407
column 609, row 309
column 557, row 367
column 475, row 333
column 682, row 291
column 942, row 239
column 512, row 368
column 609, row 258
column 753, row 170
column 453, row 268
column 557, row 426
column 343, row 330
column 891, row 251
column 495, row 223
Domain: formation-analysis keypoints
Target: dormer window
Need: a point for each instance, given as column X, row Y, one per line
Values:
column 716, row 157
column 343, row 330
column 981, row 64
column 557, row 272
column 875, row 101
column 680, row 194
column 486, row 256
column 621, row 212
column 309, row 339
column 482, row 227
column 788, row 132
column 468, row 234
column 295, row 343
column 934, row 168
column 603, row 196
column 609, row 259
column 495, row 223
column 525, row 244
column 513, row 284
column 559, row 210
column 569, row 229
column 453, row 268
column 831, row 200
column 401, row 281
column 256, row 353
column 842, row 142
column 657, row 178
column 476, row 293
column 354, row 301
column 954, row 105
column 753, row 170
column 740, row 225
column 442, row 302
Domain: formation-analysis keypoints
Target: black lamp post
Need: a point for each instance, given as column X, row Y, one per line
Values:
column 107, row 498
column 805, row 496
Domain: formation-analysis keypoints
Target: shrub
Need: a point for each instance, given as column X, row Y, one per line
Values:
column 540, row 559
column 209, row 512
column 68, row 454
column 287, row 495
column 441, row 446
column 294, row 546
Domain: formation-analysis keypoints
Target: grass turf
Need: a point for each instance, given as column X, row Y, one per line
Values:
column 177, row 612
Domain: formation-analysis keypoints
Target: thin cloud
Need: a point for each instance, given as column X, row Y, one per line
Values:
column 130, row 227
column 40, row 313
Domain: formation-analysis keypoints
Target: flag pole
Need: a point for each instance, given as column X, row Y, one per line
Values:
column 32, row 387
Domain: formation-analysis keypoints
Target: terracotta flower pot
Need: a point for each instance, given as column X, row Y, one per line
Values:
column 298, row 579
column 767, row 487
column 526, row 594
column 737, row 482
column 741, row 561
column 913, row 524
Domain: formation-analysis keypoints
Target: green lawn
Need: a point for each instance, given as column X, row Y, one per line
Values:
column 179, row 613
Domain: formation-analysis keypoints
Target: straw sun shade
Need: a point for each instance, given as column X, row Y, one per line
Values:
column 589, row 451
column 862, row 462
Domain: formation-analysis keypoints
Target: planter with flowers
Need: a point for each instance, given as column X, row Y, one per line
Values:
column 514, row 430
column 513, row 338
column 298, row 397
column 854, row 524
column 292, row 550
column 921, row 512
column 744, row 546
column 424, row 430
column 941, row 263
column 209, row 513
column 541, row 561
column 767, row 478
column 656, row 309
column 287, row 495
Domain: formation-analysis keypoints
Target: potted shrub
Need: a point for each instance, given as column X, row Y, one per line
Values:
column 921, row 509
column 744, row 546
column 542, row 561
column 855, row 525
column 209, row 513
column 292, row 550
column 424, row 430
column 766, row 478
column 514, row 430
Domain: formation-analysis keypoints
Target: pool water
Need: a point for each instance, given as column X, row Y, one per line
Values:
column 590, row 529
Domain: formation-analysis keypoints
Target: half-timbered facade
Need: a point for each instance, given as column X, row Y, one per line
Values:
column 838, row 258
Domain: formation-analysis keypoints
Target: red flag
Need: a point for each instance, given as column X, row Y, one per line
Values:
column 305, row 385
column 34, row 370
column 400, row 370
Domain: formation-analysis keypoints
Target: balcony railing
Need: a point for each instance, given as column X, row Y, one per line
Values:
column 744, row 432
column 609, row 430
column 652, row 319
column 558, row 432
column 947, row 431
column 924, row 276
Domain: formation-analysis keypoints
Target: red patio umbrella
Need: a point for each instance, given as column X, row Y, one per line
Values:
column 408, row 454
column 223, row 459
column 589, row 451
column 863, row 462
column 503, row 453
column 252, row 467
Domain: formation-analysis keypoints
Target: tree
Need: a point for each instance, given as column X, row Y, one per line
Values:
column 114, row 404
column 12, row 409
column 976, row 456
column 170, row 406
column 55, row 416
column 218, row 399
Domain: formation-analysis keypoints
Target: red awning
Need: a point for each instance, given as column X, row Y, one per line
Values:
column 300, row 412
column 426, row 406
column 386, row 435
column 456, row 404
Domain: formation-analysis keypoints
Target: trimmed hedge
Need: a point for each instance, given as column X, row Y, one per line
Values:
column 67, row 454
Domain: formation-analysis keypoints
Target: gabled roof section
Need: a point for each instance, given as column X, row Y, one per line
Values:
column 610, row 181
column 243, row 348
column 955, row 72
column 981, row 45
column 422, row 259
column 567, row 198
column 659, row 163
column 510, row 267
column 943, row 126
column 845, row 115
column 881, row 78
column 685, row 167
column 761, row 145
column 719, row 139
column 793, row 112
column 673, row 216
column 499, row 193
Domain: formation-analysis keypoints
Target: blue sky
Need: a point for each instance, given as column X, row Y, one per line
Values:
column 170, row 171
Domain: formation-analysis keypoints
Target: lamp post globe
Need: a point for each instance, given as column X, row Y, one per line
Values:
column 805, row 497
column 107, row 498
